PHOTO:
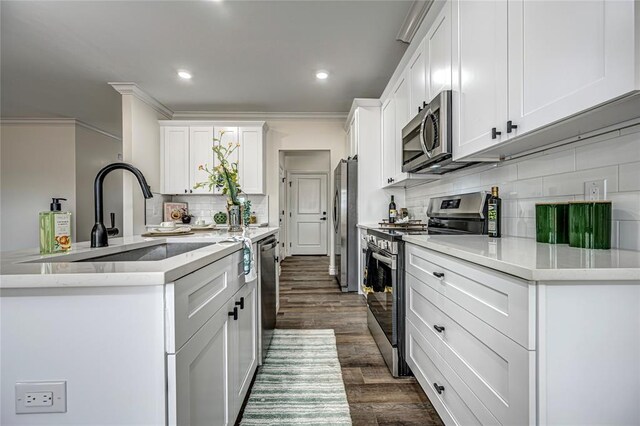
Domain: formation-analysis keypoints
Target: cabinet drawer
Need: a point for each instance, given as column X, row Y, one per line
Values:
column 193, row 299
column 494, row 367
column 456, row 404
column 502, row 301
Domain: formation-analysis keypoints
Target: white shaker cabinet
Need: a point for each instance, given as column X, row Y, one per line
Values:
column 388, row 141
column 520, row 67
column 479, row 80
column 417, row 81
column 566, row 57
column 175, row 160
column 188, row 144
column 437, row 54
column 200, row 153
column 244, row 344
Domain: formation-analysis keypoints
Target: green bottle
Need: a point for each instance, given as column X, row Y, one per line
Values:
column 55, row 229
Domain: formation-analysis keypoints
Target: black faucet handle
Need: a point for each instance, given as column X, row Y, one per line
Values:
column 112, row 231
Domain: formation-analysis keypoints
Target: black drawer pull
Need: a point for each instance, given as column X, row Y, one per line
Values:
column 438, row 388
column 234, row 314
column 438, row 274
column 511, row 126
column 438, row 328
column 241, row 303
column 495, row 133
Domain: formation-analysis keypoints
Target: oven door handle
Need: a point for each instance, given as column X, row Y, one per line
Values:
column 384, row 259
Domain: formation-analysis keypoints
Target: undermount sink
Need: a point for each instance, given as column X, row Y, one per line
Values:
column 143, row 254
column 148, row 254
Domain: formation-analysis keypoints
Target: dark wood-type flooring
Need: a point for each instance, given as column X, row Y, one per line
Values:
column 311, row 298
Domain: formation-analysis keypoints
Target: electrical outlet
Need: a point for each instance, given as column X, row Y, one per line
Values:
column 38, row 399
column 595, row 190
column 41, row 397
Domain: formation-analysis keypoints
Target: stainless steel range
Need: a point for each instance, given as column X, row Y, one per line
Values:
column 384, row 269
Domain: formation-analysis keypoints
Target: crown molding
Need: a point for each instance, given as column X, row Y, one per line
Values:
column 358, row 103
column 257, row 116
column 135, row 90
column 58, row 121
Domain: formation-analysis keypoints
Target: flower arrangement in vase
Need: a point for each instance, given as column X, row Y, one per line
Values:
column 225, row 176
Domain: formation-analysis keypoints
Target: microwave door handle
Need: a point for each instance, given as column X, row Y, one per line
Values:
column 423, row 124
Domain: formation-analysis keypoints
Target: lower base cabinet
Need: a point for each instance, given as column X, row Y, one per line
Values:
column 209, row 377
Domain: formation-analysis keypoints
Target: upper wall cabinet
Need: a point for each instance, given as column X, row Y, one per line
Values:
column 416, row 74
column 561, row 59
column 188, row 145
column 437, row 52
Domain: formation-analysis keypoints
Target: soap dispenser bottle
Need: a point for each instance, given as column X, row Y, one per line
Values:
column 55, row 229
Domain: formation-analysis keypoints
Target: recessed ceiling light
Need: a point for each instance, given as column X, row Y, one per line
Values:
column 186, row 75
column 322, row 75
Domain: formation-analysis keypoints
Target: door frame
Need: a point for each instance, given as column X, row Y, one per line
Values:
column 288, row 215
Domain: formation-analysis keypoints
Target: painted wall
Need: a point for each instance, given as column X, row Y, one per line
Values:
column 37, row 163
column 94, row 151
column 141, row 148
column 557, row 174
column 316, row 161
column 292, row 135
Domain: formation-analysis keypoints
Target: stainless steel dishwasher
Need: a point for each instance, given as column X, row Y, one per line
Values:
column 268, row 270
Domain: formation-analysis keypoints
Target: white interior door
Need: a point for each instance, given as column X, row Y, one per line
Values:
column 308, row 213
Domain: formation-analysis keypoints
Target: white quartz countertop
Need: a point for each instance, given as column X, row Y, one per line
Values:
column 527, row 259
column 28, row 269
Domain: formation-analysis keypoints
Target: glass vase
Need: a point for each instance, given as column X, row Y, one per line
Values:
column 235, row 217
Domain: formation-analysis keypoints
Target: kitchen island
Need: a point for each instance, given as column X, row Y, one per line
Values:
column 510, row 331
column 171, row 341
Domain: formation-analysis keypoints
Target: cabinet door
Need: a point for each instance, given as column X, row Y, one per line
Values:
column 175, row 161
column 354, row 137
column 566, row 57
column 199, row 383
column 348, row 142
column 200, row 153
column 417, row 80
column 226, row 136
column 388, row 141
column 401, row 101
column 479, row 75
column 251, row 165
column 437, row 47
column 245, row 343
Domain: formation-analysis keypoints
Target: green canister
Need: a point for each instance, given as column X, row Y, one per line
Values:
column 590, row 224
column 552, row 223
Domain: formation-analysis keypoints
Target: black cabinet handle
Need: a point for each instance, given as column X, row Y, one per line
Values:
column 438, row 388
column 191, row 191
column 419, row 109
column 241, row 303
column 277, row 259
column 234, row 314
column 511, row 126
column 438, row 274
column 392, row 179
column 323, row 218
column 438, row 328
column 495, row 133
column 424, row 104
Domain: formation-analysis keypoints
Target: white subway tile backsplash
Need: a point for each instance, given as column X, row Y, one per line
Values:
column 573, row 183
column 623, row 149
column 555, row 175
column 528, row 188
column 625, row 205
column 205, row 206
column 548, row 164
column 629, row 177
column 629, row 234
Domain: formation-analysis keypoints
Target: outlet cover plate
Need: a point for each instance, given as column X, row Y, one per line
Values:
column 30, row 397
column 595, row 190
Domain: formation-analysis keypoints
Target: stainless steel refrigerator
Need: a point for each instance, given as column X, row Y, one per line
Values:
column 345, row 219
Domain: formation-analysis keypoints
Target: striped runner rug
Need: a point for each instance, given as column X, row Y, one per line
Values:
column 300, row 382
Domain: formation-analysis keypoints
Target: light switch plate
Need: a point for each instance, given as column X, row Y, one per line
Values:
column 41, row 397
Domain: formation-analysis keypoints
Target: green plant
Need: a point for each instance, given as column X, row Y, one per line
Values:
column 225, row 174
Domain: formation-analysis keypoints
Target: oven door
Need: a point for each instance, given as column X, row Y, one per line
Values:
column 380, row 287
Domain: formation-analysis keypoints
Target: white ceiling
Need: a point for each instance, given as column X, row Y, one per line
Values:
column 57, row 57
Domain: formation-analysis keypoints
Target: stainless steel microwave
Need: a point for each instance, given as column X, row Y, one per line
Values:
column 427, row 139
